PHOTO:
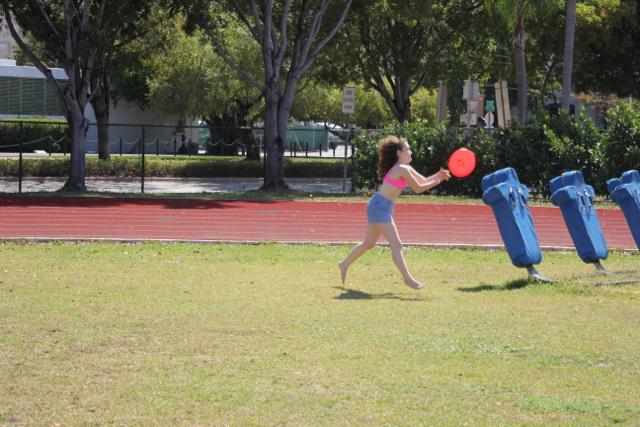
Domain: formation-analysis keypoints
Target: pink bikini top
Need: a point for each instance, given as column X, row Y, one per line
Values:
column 399, row 183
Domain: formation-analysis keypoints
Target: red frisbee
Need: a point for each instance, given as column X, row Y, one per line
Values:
column 462, row 162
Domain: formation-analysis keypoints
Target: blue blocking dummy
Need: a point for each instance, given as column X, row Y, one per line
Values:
column 626, row 193
column 508, row 199
column 575, row 199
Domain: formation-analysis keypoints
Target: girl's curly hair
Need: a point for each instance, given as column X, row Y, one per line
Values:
column 388, row 148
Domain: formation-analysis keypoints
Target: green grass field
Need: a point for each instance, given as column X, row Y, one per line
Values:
column 180, row 334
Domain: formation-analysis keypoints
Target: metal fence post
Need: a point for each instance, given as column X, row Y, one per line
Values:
column 49, row 141
column 344, row 177
column 120, row 146
column 264, row 162
column 20, row 170
column 175, row 147
column 157, row 147
column 142, row 165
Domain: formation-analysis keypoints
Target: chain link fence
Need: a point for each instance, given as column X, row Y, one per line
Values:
column 163, row 159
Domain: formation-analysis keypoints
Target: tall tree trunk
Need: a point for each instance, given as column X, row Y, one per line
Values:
column 404, row 100
column 104, row 148
column 398, row 100
column 278, row 109
column 270, row 27
column 78, row 126
column 442, row 102
column 519, row 40
column 101, row 102
column 401, row 109
column 274, row 143
column 567, row 59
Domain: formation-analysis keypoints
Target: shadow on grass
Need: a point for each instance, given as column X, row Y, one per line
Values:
column 509, row 286
column 352, row 294
column 621, row 282
column 619, row 278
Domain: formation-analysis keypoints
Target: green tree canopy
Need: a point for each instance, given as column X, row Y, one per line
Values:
column 396, row 48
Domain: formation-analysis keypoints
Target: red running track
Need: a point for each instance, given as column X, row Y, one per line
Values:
column 126, row 219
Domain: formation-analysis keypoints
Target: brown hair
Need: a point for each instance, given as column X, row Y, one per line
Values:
column 388, row 148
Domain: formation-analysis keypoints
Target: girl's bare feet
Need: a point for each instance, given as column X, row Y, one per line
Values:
column 343, row 271
column 414, row 284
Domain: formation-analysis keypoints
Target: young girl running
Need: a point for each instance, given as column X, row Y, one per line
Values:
column 394, row 156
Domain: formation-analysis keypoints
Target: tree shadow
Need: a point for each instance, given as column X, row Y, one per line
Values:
column 508, row 286
column 89, row 200
column 353, row 294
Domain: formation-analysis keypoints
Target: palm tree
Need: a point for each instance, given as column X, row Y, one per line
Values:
column 515, row 13
column 569, row 38
column 519, row 41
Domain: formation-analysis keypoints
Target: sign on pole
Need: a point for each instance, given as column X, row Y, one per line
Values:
column 349, row 100
column 471, row 90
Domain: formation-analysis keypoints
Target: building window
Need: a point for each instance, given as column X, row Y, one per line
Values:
column 28, row 97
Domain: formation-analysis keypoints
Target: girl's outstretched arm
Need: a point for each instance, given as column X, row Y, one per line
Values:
column 420, row 183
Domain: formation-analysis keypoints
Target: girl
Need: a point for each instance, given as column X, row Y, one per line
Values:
column 393, row 168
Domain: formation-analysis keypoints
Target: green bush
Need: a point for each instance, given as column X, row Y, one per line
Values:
column 312, row 168
column 547, row 146
column 116, row 166
column 201, row 167
column 365, row 159
column 525, row 149
column 48, row 135
column 575, row 145
column 622, row 142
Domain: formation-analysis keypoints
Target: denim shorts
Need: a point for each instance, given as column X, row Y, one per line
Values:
column 379, row 209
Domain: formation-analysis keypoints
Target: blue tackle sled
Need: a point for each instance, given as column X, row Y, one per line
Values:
column 507, row 197
column 626, row 193
column 575, row 199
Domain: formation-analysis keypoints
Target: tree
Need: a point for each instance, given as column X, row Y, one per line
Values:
column 516, row 13
column 63, row 28
column 607, row 51
column 189, row 78
column 291, row 35
column 230, row 103
column 132, row 22
column 567, row 59
column 321, row 102
column 399, row 47
column 77, row 33
column 178, row 72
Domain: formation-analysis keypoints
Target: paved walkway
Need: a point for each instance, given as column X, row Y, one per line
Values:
column 174, row 185
column 203, row 220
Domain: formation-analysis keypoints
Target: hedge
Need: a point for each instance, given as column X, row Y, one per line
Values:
column 201, row 167
column 547, row 146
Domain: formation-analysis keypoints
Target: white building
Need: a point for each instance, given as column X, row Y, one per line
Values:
column 25, row 92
